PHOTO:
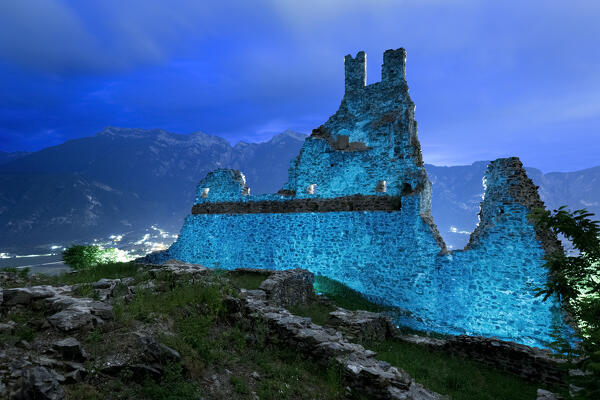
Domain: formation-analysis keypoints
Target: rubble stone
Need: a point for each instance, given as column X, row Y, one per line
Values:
column 71, row 349
column 40, row 384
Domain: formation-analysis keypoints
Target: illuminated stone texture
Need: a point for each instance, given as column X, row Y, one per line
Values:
column 369, row 150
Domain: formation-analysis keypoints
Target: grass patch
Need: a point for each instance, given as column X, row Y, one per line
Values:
column 21, row 273
column 88, row 275
column 246, row 280
column 172, row 386
column 461, row 379
column 342, row 296
column 316, row 310
column 240, row 385
column 82, row 391
column 210, row 343
column 23, row 330
column 87, row 290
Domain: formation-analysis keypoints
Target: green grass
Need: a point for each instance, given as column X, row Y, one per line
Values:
column 240, row 385
column 93, row 274
column 21, row 273
column 23, row 329
column 245, row 279
column 461, row 379
column 172, row 386
column 337, row 295
column 82, row 391
column 207, row 340
column 316, row 310
column 342, row 296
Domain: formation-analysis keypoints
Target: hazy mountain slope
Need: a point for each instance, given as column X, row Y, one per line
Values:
column 7, row 157
column 125, row 179
column 128, row 179
column 457, row 192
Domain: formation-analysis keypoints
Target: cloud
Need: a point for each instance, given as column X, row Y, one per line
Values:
column 65, row 37
column 44, row 34
column 488, row 78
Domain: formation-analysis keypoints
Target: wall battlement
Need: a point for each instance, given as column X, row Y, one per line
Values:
column 357, row 208
column 355, row 71
column 393, row 71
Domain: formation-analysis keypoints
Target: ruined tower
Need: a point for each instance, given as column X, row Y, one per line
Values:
column 357, row 208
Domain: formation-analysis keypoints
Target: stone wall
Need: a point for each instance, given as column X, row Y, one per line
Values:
column 369, row 150
column 356, row 202
column 533, row 364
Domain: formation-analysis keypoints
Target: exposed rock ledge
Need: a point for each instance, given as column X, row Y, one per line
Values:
column 362, row 371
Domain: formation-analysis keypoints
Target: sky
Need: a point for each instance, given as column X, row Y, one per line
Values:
column 489, row 78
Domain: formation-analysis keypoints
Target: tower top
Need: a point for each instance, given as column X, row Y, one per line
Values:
column 393, row 70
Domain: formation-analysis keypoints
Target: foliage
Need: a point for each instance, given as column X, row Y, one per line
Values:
column 82, row 257
column 21, row 273
column 86, row 290
column 575, row 280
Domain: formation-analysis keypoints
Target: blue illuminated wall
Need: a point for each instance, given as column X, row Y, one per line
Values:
column 395, row 257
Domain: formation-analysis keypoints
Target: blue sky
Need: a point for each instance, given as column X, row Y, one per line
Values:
column 489, row 78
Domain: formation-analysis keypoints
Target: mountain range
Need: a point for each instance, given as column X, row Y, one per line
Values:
column 124, row 180
column 458, row 190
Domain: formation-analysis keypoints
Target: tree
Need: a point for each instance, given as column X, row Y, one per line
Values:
column 82, row 257
column 575, row 279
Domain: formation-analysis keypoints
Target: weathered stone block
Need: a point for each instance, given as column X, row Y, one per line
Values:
column 289, row 288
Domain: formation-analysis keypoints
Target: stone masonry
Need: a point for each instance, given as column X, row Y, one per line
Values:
column 357, row 209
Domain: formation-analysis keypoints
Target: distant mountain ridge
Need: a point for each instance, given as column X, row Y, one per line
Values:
column 7, row 157
column 128, row 179
column 124, row 179
column 457, row 192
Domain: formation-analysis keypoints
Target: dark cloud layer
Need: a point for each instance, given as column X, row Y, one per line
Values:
column 489, row 79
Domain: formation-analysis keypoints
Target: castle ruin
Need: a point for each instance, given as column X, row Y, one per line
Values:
column 357, row 209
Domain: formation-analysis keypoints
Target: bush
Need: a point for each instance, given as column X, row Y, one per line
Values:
column 575, row 280
column 82, row 257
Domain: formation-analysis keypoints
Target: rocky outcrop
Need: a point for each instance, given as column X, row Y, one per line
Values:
column 44, row 364
column 179, row 268
column 361, row 326
column 70, row 349
column 40, row 384
column 546, row 395
column 142, row 355
column 361, row 370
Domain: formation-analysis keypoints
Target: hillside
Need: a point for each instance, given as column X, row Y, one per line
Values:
column 123, row 180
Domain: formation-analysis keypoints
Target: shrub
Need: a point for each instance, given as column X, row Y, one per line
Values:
column 83, row 257
column 575, row 279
